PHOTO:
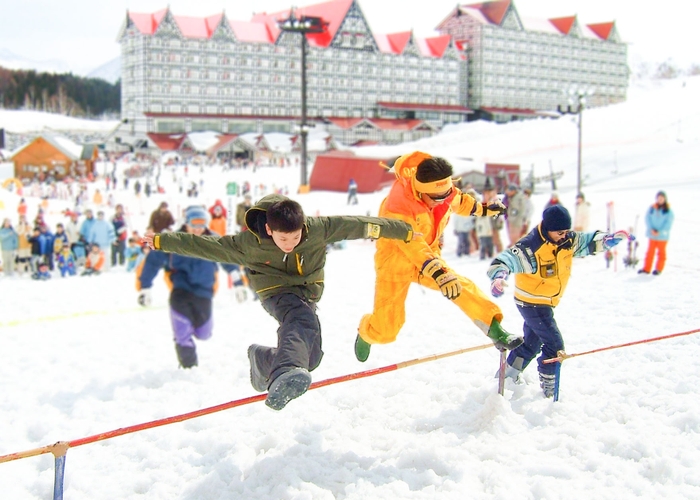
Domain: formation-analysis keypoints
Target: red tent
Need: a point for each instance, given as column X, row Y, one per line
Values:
column 333, row 170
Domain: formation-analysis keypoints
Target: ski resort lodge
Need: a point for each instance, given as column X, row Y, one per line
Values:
column 191, row 74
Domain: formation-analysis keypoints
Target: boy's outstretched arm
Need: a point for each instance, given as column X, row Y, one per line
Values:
column 338, row 228
column 217, row 249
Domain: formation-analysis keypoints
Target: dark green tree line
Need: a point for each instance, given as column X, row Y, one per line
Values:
column 58, row 93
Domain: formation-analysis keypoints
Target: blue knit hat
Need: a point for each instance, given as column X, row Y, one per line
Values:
column 556, row 218
column 196, row 216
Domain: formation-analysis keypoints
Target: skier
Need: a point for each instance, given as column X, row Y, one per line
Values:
column 193, row 285
column 541, row 262
column 286, row 253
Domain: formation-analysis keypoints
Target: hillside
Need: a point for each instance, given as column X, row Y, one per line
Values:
column 64, row 94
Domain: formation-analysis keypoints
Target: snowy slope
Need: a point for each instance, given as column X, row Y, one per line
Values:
column 82, row 358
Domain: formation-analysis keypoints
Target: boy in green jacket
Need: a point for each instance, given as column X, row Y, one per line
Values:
column 285, row 253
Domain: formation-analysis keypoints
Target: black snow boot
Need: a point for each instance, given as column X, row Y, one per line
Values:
column 290, row 385
column 257, row 379
column 187, row 356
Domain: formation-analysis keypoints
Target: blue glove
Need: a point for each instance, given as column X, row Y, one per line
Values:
column 498, row 283
column 611, row 240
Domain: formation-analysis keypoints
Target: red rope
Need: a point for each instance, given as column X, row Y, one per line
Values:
column 61, row 445
column 561, row 355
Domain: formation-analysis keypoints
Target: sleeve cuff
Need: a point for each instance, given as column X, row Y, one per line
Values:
column 156, row 242
column 410, row 236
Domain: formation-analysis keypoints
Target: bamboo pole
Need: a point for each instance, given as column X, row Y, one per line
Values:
column 60, row 448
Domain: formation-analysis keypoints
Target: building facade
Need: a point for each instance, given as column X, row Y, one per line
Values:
column 183, row 74
column 520, row 66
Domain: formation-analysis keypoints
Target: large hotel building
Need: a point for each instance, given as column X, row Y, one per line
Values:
column 186, row 74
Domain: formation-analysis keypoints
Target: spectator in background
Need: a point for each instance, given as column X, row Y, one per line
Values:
column 463, row 226
column 241, row 210
column 218, row 218
column 352, row 192
column 24, row 248
column 529, row 210
column 161, row 219
column 490, row 196
column 102, row 234
column 22, row 207
column 72, row 228
column 581, row 213
column 515, row 216
column 97, row 198
column 95, row 261
column 659, row 219
column 9, row 243
column 553, row 200
column 86, row 226
column 46, row 245
column 134, row 254
column 120, row 231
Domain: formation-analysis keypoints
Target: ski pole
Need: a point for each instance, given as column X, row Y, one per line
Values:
column 562, row 356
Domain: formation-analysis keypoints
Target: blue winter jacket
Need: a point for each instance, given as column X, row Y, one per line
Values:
column 102, row 233
column 657, row 219
column 196, row 276
column 9, row 241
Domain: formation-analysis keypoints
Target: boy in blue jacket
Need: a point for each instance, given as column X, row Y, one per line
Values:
column 541, row 262
column 193, row 283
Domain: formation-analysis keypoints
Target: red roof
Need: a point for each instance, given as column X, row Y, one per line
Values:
column 438, row 45
column 359, row 144
column 493, row 11
column 167, row 142
column 520, row 112
column 224, row 140
column 345, row 123
column 391, row 124
column 398, row 41
column 197, row 27
column 420, row 106
column 251, row 32
column 603, row 30
column 332, row 12
column 563, row 24
column 147, row 23
column 380, row 123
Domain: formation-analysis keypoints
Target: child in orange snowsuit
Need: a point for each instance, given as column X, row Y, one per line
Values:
column 95, row 261
column 424, row 196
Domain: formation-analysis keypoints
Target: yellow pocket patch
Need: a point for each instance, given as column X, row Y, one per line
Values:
column 373, row 231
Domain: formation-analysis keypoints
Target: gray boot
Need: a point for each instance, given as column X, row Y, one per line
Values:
column 547, row 384
column 514, row 371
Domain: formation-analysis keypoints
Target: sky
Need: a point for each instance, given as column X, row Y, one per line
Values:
column 81, row 357
column 80, row 35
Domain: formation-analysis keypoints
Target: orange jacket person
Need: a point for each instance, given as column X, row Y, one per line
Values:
column 424, row 196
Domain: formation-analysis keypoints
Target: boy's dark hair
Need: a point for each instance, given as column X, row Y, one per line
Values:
column 433, row 169
column 285, row 216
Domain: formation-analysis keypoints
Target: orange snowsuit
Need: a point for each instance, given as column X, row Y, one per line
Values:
column 95, row 261
column 399, row 264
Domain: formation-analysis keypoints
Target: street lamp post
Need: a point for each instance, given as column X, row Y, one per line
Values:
column 578, row 96
column 303, row 24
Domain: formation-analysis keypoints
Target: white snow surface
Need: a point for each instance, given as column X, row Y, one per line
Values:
column 81, row 358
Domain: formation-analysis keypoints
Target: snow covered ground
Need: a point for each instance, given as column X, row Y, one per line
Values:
column 81, row 357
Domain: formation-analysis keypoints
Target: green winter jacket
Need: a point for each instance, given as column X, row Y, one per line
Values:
column 270, row 270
